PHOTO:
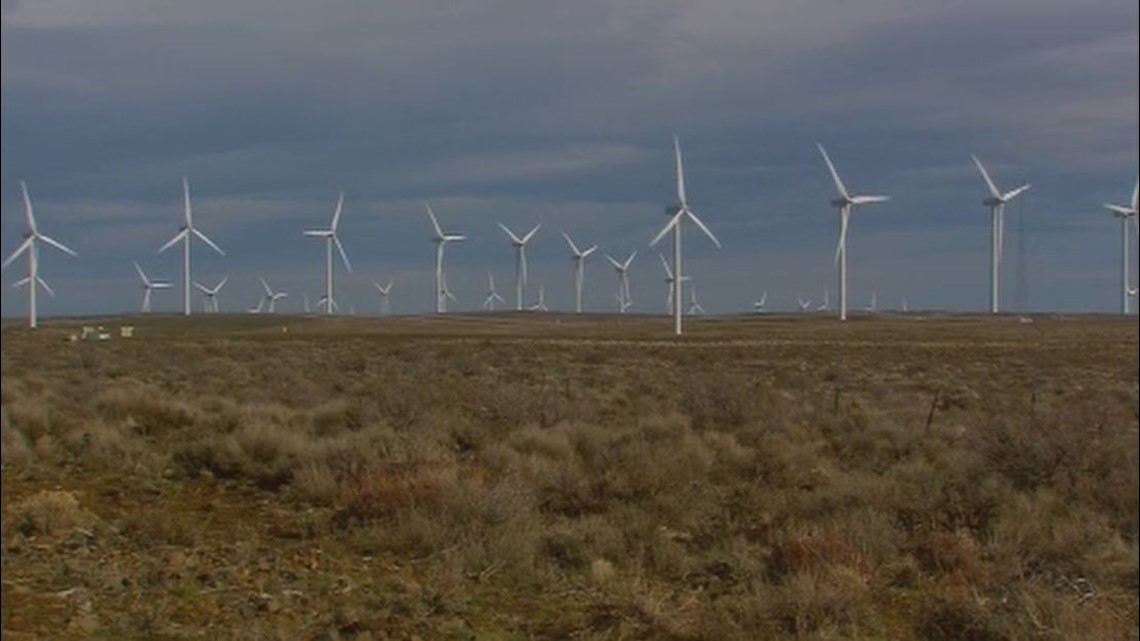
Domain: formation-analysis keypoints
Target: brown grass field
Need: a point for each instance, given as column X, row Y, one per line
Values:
column 522, row 476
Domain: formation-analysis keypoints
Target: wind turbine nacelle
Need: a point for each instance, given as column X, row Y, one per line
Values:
column 839, row 203
column 993, row 202
column 672, row 210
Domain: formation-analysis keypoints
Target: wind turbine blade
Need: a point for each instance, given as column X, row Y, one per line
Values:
column 343, row 256
column 46, row 287
column 336, row 212
column 573, row 247
column 842, row 244
column 614, row 262
column 834, row 174
column 19, row 251
column 867, row 200
column 1136, row 195
column 209, row 242
column 58, row 245
column 681, row 198
column 20, row 283
column 142, row 275
column 673, row 222
column 628, row 261
column 434, row 222
column 1008, row 196
column 1118, row 209
column 665, row 264
column 29, row 214
column 186, row 202
column 222, row 284
column 514, row 239
column 268, row 291
column 592, row 249
column 702, row 227
column 530, row 234
column 454, row 238
column 989, row 181
column 173, row 241
column 202, row 288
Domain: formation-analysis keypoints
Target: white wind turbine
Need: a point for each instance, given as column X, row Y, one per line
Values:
column 384, row 291
column 148, row 286
column 694, row 306
column 211, row 294
column 441, row 240
column 331, row 239
column 668, row 284
column 826, row 304
column 185, row 232
column 540, row 304
column 520, row 260
column 760, row 303
column 996, row 202
column 271, row 297
column 804, row 305
column 844, row 203
column 32, row 237
column 1126, row 214
column 579, row 257
column 625, row 299
column 677, row 214
column 492, row 295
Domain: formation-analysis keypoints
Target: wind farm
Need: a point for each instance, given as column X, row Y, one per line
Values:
column 740, row 321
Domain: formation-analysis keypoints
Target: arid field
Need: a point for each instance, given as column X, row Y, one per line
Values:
column 551, row 477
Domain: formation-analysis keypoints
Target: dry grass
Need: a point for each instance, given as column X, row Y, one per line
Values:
column 547, row 477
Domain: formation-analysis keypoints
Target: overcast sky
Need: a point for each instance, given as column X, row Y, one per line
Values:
column 563, row 114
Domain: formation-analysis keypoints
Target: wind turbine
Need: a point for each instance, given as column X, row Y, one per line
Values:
column 520, row 260
column 211, row 303
column 826, row 304
column 31, row 238
column 676, row 214
column 844, row 203
column 492, row 295
column 579, row 257
column 384, row 291
column 804, row 305
column 441, row 240
column 625, row 300
column 185, row 232
column 331, row 239
column 271, row 297
column 694, row 306
column 540, row 305
column 1126, row 214
column 871, row 307
column 669, row 277
column 760, row 303
column 996, row 202
column 148, row 286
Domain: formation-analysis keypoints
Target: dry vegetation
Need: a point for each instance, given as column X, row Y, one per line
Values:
column 518, row 477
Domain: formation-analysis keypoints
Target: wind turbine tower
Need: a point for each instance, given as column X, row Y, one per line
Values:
column 844, row 203
column 32, row 238
column 520, row 261
column 331, row 239
column 1127, row 215
column 441, row 240
column 579, row 257
column 185, row 232
column 677, row 214
column 996, row 202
